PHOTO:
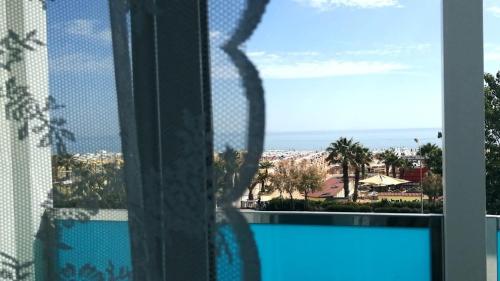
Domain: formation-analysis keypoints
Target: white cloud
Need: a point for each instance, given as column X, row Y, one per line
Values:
column 328, row 68
column 389, row 50
column 495, row 10
column 89, row 29
column 82, row 63
column 489, row 57
column 330, row 4
column 492, row 56
column 491, row 52
column 313, row 65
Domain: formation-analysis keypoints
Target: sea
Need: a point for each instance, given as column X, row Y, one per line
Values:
column 375, row 139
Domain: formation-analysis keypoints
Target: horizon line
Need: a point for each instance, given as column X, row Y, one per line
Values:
column 354, row 130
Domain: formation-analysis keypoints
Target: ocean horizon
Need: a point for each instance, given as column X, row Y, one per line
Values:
column 374, row 139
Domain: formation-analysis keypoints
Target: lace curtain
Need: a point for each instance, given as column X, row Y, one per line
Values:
column 113, row 118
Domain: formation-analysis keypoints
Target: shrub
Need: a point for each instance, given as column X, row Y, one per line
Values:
column 383, row 206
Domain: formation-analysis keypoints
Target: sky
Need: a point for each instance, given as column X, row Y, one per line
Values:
column 356, row 64
column 326, row 64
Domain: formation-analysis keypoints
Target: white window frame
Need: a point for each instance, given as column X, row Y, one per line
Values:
column 463, row 142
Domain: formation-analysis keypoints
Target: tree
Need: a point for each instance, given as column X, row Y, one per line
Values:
column 261, row 178
column 433, row 157
column 368, row 158
column 256, row 180
column 432, row 186
column 426, row 149
column 292, row 177
column 492, row 142
column 226, row 166
column 264, row 176
column 395, row 162
column 61, row 164
column 405, row 165
column 362, row 158
column 279, row 179
column 390, row 159
column 93, row 184
column 310, row 179
column 342, row 152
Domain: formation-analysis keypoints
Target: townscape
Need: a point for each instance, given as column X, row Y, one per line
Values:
column 345, row 173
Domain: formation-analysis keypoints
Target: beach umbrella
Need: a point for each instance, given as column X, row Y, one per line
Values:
column 382, row 180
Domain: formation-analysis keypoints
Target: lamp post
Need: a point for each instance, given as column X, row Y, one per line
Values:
column 421, row 187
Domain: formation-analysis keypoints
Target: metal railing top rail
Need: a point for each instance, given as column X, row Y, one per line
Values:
column 344, row 219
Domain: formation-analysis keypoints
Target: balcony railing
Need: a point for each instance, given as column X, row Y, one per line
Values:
column 296, row 245
column 291, row 245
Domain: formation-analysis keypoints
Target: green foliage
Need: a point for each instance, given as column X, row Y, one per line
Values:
column 433, row 157
column 285, row 178
column 278, row 204
column 492, row 142
column 226, row 171
column 362, row 158
column 342, row 152
column 390, row 159
column 90, row 184
column 309, row 180
column 432, row 186
column 383, row 206
column 261, row 178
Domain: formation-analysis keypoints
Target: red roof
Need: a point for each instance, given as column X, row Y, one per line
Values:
column 413, row 175
column 331, row 187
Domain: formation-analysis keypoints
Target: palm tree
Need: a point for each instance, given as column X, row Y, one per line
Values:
column 232, row 161
column 395, row 162
column 362, row 158
column 405, row 164
column 256, row 180
column 427, row 149
column 264, row 177
column 387, row 156
column 366, row 160
column 342, row 152
column 260, row 178
column 226, row 172
column 433, row 157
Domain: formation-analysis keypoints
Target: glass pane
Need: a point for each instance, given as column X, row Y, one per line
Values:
column 62, row 164
column 369, row 71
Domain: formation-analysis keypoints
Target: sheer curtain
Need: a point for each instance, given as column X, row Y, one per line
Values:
column 128, row 129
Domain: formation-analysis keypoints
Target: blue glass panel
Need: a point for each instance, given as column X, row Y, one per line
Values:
column 98, row 248
column 287, row 252
column 228, row 262
column 295, row 252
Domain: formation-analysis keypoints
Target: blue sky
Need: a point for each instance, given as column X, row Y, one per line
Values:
column 326, row 64
column 366, row 64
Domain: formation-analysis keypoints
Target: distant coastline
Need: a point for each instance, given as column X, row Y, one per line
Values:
column 375, row 139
